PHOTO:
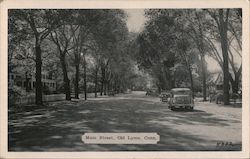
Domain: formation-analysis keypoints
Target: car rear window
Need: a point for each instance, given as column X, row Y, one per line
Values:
column 182, row 100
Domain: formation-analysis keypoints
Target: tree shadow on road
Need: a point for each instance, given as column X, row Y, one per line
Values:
column 59, row 127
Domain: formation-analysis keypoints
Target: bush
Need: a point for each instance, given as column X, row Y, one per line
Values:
column 16, row 91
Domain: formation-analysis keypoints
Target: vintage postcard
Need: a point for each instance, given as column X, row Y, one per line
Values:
column 124, row 79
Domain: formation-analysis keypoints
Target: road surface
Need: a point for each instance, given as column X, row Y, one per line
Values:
column 59, row 126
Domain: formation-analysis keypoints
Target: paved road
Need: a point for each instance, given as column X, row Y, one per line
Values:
column 60, row 125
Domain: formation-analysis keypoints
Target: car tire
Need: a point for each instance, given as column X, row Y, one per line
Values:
column 192, row 108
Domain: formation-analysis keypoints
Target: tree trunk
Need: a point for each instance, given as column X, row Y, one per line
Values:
column 102, row 82
column 85, row 78
column 189, row 71
column 115, row 87
column 77, row 81
column 204, row 77
column 200, row 44
column 191, row 79
column 119, row 88
column 173, row 81
column 108, row 85
column 96, row 80
column 234, row 83
column 105, row 87
column 39, row 95
column 105, row 82
column 235, row 86
column 65, row 78
column 27, row 79
column 224, row 47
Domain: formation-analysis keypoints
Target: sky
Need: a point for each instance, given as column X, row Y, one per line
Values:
column 136, row 19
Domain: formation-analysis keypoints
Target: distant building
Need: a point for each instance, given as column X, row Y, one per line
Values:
column 216, row 83
column 28, row 81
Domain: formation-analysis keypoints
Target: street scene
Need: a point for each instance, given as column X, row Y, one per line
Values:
column 176, row 73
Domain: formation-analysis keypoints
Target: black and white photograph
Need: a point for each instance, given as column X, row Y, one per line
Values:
column 125, row 79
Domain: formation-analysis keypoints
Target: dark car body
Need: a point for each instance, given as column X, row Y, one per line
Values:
column 181, row 98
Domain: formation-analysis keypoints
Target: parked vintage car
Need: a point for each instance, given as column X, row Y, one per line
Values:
column 181, row 98
column 152, row 92
column 165, row 96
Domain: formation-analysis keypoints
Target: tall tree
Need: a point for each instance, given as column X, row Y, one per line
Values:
column 62, row 38
column 161, row 45
column 221, row 17
column 81, row 41
column 39, row 23
column 109, row 31
column 196, row 29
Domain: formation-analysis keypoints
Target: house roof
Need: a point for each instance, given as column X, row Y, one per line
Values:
column 216, row 78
